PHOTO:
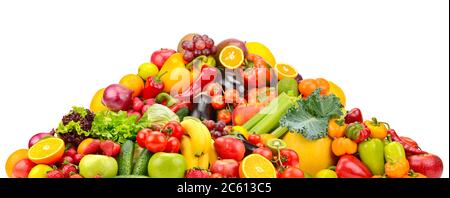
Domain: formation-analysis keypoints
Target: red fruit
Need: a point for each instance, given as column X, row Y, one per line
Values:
column 22, row 168
column 110, row 148
column 141, row 136
column 213, row 89
column 197, row 173
column 155, row 142
column 289, row 157
column 68, row 170
column 145, row 108
column 265, row 152
column 217, row 102
column 159, row 57
column 428, row 164
column 89, row 146
column 229, row 148
column 77, row 158
column 292, row 172
column 66, row 160
column 76, row 176
column 173, row 145
column 71, row 151
column 216, row 175
column 137, row 104
column 254, row 139
column 224, row 115
column 243, row 113
column 226, row 168
column 173, row 129
column 260, row 145
column 55, row 174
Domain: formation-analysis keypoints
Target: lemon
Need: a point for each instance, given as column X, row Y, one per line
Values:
column 261, row 50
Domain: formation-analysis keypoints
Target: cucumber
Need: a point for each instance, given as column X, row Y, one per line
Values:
column 131, row 176
column 140, row 167
column 126, row 158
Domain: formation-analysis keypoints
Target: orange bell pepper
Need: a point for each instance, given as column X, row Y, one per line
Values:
column 341, row 146
column 397, row 169
column 336, row 128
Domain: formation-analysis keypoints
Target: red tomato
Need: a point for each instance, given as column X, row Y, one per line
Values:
column 213, row 89
column 217, row 102
column 173, row 129
column 229, row 148
column 224, row 115
column 173, row 145
column 265, row 152
column 155, row 142
column 292, row 172
column 289, row 157
column 142, row 136
column 254, row 139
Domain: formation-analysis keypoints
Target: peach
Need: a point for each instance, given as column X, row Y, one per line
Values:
column 89, row 146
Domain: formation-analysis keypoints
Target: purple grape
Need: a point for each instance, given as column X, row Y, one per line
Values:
column 197, row 53
column 209, row 43
column 217, row 134
column 220, row 125
column 206, row 52
column 200, row 44
column 187, row 45
column 205, row 37
column 188, row 56
column 196, row 37
column 224, row 133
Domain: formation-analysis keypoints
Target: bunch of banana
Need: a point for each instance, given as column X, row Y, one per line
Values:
column 196, row 145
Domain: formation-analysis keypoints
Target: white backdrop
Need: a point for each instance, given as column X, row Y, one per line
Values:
column 390, row 57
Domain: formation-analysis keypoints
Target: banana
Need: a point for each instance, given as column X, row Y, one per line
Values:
column 212, row 154
column 196, row 135
column 203, row 161
column 207, row 136
column 186, row 150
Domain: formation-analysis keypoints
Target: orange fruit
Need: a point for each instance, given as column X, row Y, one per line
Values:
column 308, row 86
column 133, row 82
column 285, row 70
column 256, row 166
column 96, row 102
column 336, row 90
column 323, row 85
column 231, row 57
column 47, row 151
column 12, row 160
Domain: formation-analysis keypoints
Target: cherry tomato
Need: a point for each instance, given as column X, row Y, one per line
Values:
column 213, row 89
column 292, row 172
column 142, row 136
column 224, row 115
column 155, row 142
column 265, row 152
column 254, row 139
column 173, row 145
column 289, row 157
column 173, row 129
column 217, row 102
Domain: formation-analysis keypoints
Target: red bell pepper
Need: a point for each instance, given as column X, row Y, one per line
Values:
column 349, row 166
column 357, row 132
column 354, row 115
column 411, row 147
column 153, row 86
column 206, row 76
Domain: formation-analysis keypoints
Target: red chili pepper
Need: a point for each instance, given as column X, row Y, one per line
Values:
column 207, row 75
column 180, row 105
column 410, row 148
column 349, row 166
column 153, row 86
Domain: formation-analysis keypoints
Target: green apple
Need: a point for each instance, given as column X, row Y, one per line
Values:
column 98, row 166
column 39, row 171
column 166, row 165
column 147, row 69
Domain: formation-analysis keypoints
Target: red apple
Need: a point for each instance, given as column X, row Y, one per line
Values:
column 428, row 164
column 159, row 57
column 22, row 168
column 226, row 168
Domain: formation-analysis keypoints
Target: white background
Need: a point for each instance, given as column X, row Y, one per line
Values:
column 390, row 57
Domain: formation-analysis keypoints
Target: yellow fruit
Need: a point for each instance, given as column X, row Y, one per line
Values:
column 241, row 130
column 256, row 166
column 133, row 82
column 314, row 155
column 231, row 57
column 285, row 70
column 203, row 161
column 12, row 160
column 188, row 152
column 39, row 171
column 147, row 69
column 267, row 137
column 176, row 80
column 261, row 50
column 47, row 151
column 174, row 61
column 336, row 90
column 96, row 102
column 212, row 154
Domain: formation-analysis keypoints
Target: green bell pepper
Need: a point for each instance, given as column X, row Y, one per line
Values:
column 394, row 152
column 371, row 153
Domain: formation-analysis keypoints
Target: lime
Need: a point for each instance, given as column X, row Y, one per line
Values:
column 147, row 69
column 288, row 86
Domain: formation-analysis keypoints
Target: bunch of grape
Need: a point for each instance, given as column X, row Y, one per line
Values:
column 199, row 45
column 216, row 129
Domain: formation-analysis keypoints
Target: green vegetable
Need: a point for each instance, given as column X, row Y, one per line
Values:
column 270, row 120
column 394, row 152
column 310, row 118
column 288, row 86
column 126, row 158
column 141, row 166
column 157, row 114
column 371, row 153
column 132, row 176
column 115, row 126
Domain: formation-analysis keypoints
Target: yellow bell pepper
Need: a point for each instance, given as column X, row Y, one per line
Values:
column 377, row 129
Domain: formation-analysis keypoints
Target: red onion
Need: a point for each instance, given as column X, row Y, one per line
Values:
column 35, row 138
column 117, row 97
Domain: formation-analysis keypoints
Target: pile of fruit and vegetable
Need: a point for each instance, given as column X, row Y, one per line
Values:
column 220, row 111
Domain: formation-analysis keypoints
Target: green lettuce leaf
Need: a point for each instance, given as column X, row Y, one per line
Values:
column 115, row 126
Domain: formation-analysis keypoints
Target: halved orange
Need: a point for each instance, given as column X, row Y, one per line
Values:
column 256, row 166
column 285, row 70
column 231, row 57
column 47, row 151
